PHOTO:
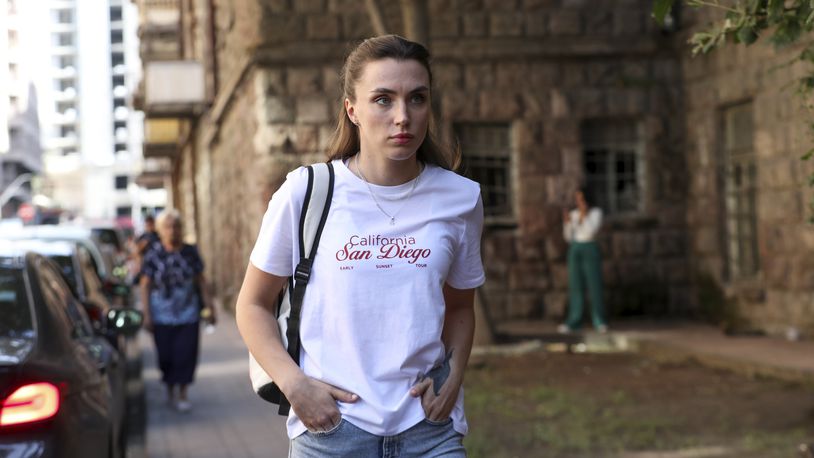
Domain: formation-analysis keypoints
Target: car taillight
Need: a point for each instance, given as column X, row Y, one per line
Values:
column 30, row 403
column 94, row 313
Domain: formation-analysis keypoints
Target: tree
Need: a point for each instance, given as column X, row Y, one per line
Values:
column 786, row 22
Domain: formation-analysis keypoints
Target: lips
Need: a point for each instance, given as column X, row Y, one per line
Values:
column 402, row 138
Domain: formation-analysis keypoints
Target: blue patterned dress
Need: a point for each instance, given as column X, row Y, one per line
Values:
column 173, row 296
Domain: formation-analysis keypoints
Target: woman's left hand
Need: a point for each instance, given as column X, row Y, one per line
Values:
column 212, row 317
column 438, row 407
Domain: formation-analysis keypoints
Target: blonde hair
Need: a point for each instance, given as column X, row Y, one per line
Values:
column 345, row 140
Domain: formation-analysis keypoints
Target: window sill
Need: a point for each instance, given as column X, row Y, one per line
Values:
column 630, row 221
column 499, row 223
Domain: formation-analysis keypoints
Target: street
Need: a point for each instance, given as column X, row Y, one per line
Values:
column 227, row 419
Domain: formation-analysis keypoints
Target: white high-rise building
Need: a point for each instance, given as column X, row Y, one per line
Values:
column 88, row 68
column 20, row 152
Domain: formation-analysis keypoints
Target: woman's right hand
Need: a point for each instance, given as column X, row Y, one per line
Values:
column 314, row 402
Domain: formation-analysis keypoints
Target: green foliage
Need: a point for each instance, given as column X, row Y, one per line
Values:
column 661, row 8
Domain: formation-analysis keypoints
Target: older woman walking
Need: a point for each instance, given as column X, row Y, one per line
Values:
column 172, row 291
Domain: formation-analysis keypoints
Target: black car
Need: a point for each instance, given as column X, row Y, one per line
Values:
column 56, row 399
column 76, row 265
column 104, row 258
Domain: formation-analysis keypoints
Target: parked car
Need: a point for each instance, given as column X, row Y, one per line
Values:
column 74, row 261
column 56, row 399
column 112, row 236
column 103, row 257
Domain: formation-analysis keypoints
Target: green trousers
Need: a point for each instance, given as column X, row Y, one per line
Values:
column 584, row 270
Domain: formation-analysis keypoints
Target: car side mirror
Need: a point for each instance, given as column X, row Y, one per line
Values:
column 116, row 288
column 95, row 313
column 124, row 321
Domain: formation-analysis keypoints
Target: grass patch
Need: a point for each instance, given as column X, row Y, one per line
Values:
column 533, row 406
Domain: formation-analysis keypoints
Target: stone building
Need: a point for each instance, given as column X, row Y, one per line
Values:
column 544, row 96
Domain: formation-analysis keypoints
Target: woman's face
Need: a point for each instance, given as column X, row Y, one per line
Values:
column 579, row 197
column 169, row 231
column 392, row 107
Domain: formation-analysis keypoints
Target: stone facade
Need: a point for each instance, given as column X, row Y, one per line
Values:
column 779, row 294
column 543, row 69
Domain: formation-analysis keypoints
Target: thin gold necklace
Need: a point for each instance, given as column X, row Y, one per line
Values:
column 376, row 201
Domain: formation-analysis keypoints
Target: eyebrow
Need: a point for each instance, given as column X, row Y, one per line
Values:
column 382, row 90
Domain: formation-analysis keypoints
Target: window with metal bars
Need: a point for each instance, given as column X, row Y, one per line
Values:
column 486, row 158
column 738, row 173
column 612, row 160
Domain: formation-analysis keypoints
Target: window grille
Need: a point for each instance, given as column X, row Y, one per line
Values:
column 612, row 159
column 486, row 154
column 739, row 173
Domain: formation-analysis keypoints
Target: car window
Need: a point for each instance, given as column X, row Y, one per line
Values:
column 95, row 264
column 16, row 319
column 16, row 316
column 62, row 303
column 93, row 285
column 107, row 237
column 66, row 265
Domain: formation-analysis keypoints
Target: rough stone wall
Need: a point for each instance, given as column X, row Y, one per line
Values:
column 545, row 67
column 780, row 295
column 185, row 197
column 540, row 66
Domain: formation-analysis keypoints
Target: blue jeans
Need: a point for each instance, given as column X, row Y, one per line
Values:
column 425, row 439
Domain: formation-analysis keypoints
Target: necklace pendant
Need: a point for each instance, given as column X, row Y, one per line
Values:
column 392, row 221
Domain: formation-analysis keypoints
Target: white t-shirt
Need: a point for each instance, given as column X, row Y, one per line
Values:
column 374, row 307
column 574, row 231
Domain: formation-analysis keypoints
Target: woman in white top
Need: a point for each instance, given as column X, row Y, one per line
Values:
column 387, row 320
column 580, row 227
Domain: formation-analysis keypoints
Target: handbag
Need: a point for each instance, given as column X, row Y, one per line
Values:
column 313, row 214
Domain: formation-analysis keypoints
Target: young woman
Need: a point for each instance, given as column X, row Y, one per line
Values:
column 387, row 320
column 580, row 227
column 171, row 281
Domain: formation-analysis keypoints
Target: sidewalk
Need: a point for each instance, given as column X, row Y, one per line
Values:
column 750, row 355
column 227, row 419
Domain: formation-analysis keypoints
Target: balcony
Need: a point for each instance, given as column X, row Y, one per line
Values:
column 173, row 89
column 68, row 95
column 63, row 50
column 161, row 137
column 155, row 173
column 159, row 13
column 63, row 73
column 159, row 29
column 67, row 142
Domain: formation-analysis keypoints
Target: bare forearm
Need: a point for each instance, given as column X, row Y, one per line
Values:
column 262, row 337
column 144, row 291
column 459, row 329
column 206, row 293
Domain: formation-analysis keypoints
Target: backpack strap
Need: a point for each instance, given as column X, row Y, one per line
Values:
column 314, row 213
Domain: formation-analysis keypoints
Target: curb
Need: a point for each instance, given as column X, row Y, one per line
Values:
column 664, row 351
